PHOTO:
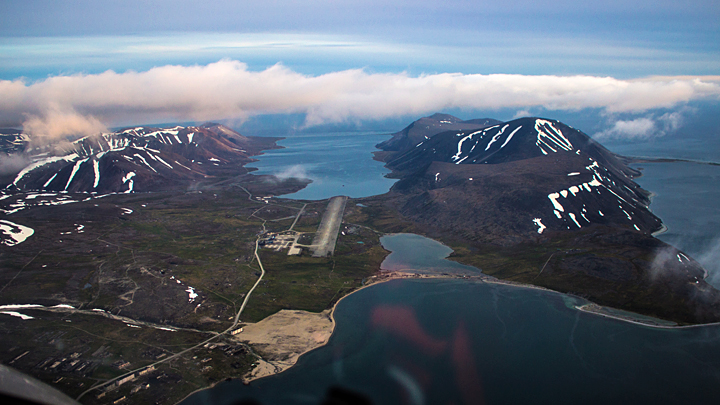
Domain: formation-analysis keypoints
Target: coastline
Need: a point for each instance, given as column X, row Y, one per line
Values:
column 266, row 368
column 266, row 371
column 597, row 310
column 383, row 277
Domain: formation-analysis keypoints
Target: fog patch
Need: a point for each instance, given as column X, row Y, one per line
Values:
column 13, row 163
column 664, row 263
column 293, row 172
column 710, row 260
column 56, row 125
column 522, row 114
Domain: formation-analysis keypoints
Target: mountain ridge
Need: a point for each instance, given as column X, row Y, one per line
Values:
column 537, row 201
column 573, row 178
column 137, row 159
column 426, row 127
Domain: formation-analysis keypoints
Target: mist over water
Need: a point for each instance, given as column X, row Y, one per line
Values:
column 686, row 194
column 338, row 163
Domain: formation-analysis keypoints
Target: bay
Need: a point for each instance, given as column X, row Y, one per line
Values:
column 338, row 163
column 459, row 341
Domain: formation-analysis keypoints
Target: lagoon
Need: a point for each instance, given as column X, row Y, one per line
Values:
column 418, row 254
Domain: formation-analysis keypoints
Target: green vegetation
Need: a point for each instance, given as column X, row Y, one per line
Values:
column 140, row 265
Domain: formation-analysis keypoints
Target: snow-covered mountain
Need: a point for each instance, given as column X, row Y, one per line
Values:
column 135, row 159
column 424, row 128
column 12, row 141
column 531, row 174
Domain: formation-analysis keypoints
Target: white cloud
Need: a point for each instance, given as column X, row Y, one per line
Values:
column 644, row 127
column 521, row 114
column 55, row 124
column 228, row 90
column 671, row 121
column 639, row 128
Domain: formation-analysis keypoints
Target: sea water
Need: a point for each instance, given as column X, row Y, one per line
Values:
column 685, row 194
column 338, row 163
column 459, row 341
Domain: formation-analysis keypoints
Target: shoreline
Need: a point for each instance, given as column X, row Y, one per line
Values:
column 249, row 377
column 597, row 310
column 292, row 360
column 383, row 277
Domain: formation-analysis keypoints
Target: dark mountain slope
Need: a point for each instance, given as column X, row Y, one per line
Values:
column 425, row 128
column 536, row 201
column 526, row 176
column 140, row 159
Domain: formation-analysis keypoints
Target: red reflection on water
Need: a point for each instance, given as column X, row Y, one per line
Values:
column 466, row 374
column 402, row 322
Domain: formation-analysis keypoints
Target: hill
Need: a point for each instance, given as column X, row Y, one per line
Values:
column 537, row 201
column 134, row 159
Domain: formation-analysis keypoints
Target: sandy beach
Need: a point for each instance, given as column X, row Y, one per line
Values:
column 282, row 337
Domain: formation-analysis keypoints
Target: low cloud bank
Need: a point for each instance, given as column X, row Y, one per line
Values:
column 643, row 127
column 13, row 163
column 81, row 104
column 56, row 124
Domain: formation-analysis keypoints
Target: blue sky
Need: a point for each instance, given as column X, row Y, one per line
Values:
column 353, row 60
column 619, row 38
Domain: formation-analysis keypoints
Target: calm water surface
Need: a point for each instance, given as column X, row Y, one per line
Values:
column 338, row 163
column 459, row 341
column 419, row 254
column 686, row 195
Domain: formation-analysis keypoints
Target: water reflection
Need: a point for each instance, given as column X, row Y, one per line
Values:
column 467, row 342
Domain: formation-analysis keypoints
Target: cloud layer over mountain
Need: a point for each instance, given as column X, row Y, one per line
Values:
column 227, row 89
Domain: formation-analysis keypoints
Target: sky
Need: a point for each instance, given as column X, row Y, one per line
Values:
column 78, row 67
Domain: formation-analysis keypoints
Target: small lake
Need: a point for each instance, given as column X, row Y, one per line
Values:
column 418, row 254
